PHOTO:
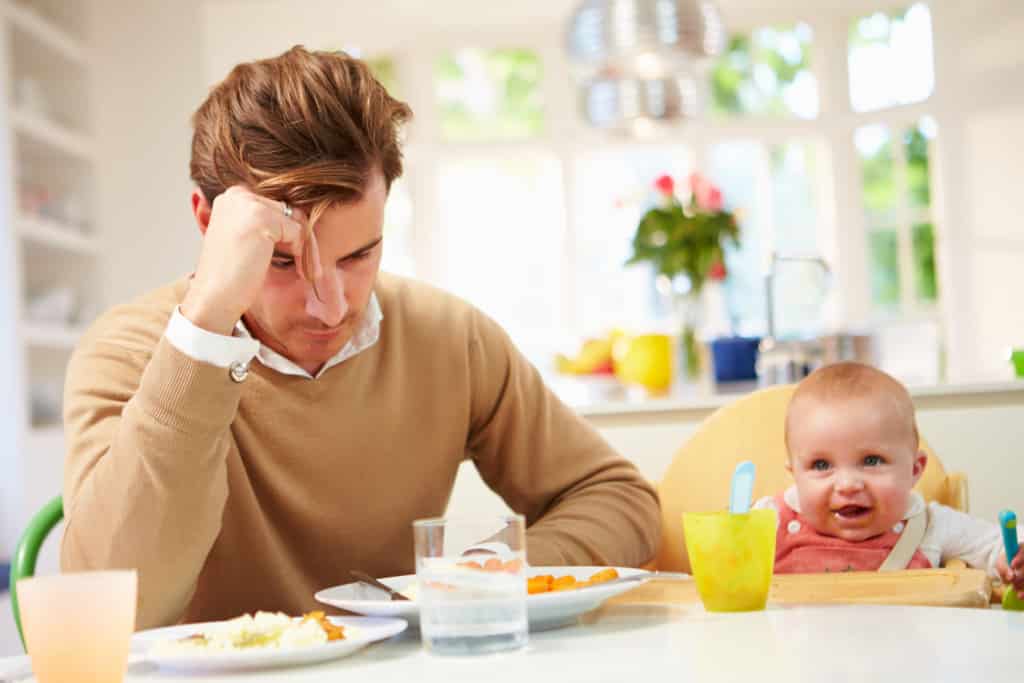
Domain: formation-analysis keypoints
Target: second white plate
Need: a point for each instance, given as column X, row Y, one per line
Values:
column 544, row 610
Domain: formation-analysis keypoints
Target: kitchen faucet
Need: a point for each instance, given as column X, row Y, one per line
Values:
column 785, row 361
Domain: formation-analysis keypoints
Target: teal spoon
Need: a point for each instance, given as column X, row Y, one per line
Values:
column 1008, row 525
column 742, row 488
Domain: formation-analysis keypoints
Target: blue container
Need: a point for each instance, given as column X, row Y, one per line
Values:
column 735, row 358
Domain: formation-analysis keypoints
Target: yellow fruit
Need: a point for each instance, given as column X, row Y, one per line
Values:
column 645, row 360
column 594, row 355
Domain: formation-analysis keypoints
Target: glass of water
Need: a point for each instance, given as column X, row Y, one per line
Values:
column 472, row 584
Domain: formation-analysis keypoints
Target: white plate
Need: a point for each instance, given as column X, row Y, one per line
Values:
column 360, row 632
column 544, row 610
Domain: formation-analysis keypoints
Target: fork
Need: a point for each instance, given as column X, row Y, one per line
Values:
column 363, row 577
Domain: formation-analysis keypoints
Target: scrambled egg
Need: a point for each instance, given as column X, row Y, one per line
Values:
column 262, row 630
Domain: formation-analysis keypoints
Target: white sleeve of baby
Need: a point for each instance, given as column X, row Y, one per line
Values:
column 961, row 536
column 766, row 503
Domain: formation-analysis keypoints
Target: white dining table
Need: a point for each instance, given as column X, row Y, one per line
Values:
column 633, row 643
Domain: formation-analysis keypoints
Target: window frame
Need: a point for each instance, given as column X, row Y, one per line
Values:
column 842, row 230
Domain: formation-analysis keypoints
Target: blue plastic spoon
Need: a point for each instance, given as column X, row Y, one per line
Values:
column 1008, row 525
column 742, row 489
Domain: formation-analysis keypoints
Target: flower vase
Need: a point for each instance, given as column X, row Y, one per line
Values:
column 686, row 308
column 689, row 314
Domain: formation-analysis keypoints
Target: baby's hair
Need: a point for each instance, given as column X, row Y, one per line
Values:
column 844, row 381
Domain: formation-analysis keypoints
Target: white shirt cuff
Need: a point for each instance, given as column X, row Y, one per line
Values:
column 208, row 347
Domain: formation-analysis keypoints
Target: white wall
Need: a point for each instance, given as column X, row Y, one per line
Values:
column 980, row 67
column 995, row 139
column 148, row 82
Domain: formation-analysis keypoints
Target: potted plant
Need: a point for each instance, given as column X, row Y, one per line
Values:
column 684, row 240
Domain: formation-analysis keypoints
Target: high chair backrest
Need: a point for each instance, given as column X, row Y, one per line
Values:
column 752, row 428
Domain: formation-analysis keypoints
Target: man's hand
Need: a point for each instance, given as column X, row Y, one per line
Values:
column 237, row 248
column 1013, row 573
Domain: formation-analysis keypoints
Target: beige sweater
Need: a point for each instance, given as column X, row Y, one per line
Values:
column 230, row 497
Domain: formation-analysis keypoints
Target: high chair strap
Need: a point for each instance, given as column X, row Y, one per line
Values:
column 908, row 543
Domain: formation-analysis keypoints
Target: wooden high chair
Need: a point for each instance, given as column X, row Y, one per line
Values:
column 752, row 428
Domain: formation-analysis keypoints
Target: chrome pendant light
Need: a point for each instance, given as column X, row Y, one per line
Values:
column 639, row 61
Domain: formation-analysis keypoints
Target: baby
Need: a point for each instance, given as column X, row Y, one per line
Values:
column 854, row 455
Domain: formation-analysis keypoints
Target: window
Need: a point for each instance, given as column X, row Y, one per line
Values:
column 384, row 70
column 489, row 94
column 537, row 235
column 766, row 73
column 613, row 190
column 897, row 207
column 890, row 59
column 772, row 187
column 398, row 256
column 502, row 222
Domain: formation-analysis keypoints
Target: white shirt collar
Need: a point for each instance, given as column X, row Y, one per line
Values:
column 365, row 336
column 915, row 504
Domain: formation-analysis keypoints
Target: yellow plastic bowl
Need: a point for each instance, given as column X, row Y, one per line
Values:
column 732, row 557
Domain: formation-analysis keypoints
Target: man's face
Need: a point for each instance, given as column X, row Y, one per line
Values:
column 289, row 316
column 854, row 463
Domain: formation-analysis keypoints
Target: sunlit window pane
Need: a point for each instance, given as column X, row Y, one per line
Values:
column 890, row 59
column 614, row 188
column 800, row 287
column 915, row 144
column 384, row 70
column 398, row 231
column 738, row 168
column 885, row 267
column 878, row 172
column 773, row 190
column 766, row 73
column 795, row 210
column 924, row 263
column 502, row 226
column 489, row 94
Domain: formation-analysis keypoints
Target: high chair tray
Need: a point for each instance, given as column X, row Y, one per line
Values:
column 935, row 587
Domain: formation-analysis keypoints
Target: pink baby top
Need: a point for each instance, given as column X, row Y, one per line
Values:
column 800, row 549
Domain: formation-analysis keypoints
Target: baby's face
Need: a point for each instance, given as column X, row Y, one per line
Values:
column 854, row 463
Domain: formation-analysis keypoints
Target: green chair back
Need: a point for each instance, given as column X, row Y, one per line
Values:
column 27, row 551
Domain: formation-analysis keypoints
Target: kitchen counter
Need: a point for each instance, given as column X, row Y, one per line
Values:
column 976, row 428
column 605, row 397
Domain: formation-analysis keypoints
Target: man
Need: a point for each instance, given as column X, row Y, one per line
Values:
column 247, row 435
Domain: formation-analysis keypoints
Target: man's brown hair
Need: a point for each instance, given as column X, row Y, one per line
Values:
column 306, row 128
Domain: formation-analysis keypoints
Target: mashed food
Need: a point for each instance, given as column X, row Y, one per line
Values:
column 273, row 630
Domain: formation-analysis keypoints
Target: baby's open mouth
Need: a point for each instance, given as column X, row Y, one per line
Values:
column 851, row 511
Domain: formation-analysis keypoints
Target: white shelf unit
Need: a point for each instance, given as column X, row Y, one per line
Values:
column 51, row 233
column 50, row 336
column 51, row 134
column 47, row 195
column 26, row 17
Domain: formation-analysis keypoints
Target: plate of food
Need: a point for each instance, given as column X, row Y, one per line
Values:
column 261, row 640
column 556, row 595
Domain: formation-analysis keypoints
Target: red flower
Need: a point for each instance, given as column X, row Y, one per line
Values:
column 665, row 185
column 712, row 199
column 717, row 271
column 705, row 194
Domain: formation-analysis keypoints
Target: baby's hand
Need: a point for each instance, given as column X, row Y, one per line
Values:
column 1013, row 573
